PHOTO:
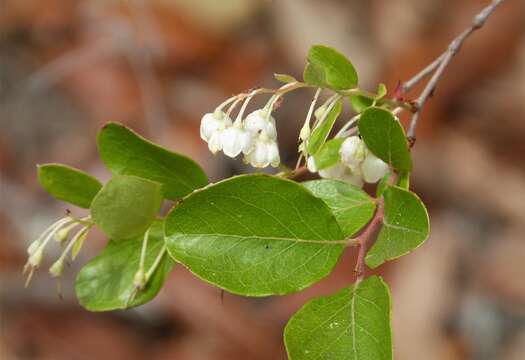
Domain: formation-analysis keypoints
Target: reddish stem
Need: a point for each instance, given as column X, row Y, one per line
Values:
column 365, row 236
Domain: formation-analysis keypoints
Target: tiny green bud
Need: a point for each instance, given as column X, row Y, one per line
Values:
column 61, row 235
column 139, row 280
column 33, row 247
column 57, row 268
column 320, row 111
column 36, row 258
column 304, row 134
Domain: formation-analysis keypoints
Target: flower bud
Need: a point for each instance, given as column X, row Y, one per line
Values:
column 304, row 134
column 57, row 268
column 320, row 111
column 373, row 168
column 62, row 234
column 35, row 259
column 139, row 280
column 33, row 247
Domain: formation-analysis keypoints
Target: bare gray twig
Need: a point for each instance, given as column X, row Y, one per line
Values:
column 438, row 66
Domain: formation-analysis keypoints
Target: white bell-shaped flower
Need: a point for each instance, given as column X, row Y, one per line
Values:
column 236, row 139
column 212, row 123
column 353, row 151
column 215, row 142
column 373, row 168
column 259, row 122
column 265, row 152
column 343, row 173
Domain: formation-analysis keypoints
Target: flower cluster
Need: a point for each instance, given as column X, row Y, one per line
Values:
column 59, row 231
column 357, row 164
column 255, row 136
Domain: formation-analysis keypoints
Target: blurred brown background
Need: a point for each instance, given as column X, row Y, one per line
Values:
column 67, row 67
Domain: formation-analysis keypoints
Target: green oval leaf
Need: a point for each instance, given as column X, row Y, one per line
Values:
column 351, row 206
column 68, row 184
column 321, row 132
column 255, row 235
column 328, row 68
column 405, row 227
column 106, row 282
column 360, row 103
column 352, row 324
column 126, row 206
column 385, row 137
column 126, row 153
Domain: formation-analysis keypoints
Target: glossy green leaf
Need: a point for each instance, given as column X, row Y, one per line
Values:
column 352, row 207
column 106, row 282
column 68, row 184
column 385, row 137
column 405, row 227
column 255, row 235
column 353, row 324
column 328, row 155
column 284, row 78
column 126, row 153
column 327, row 68
column 321, row 132
column 360, row 103
column 126, row 206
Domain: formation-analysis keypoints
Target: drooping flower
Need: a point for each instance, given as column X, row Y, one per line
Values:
column 343, row 173
column 373, row 168
column 259, row 122
column 236, row 139
column 265, row 152
column 353, row 151
column 212, row 127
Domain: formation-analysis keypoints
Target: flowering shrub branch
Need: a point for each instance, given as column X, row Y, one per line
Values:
column 259, row 234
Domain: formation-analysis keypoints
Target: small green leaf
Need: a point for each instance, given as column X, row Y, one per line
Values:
column 106, row 282
column 405, row 227
column 385, row 137
column 360, row 103
column 327, row 68
column 321, row 132
column 328, row 155
column 381, row 91
column 284, row 78
column 255, row 235
column 352, row 324
column 126, row 206
column 126, row 153
column 68, row 184
column 351, row 206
